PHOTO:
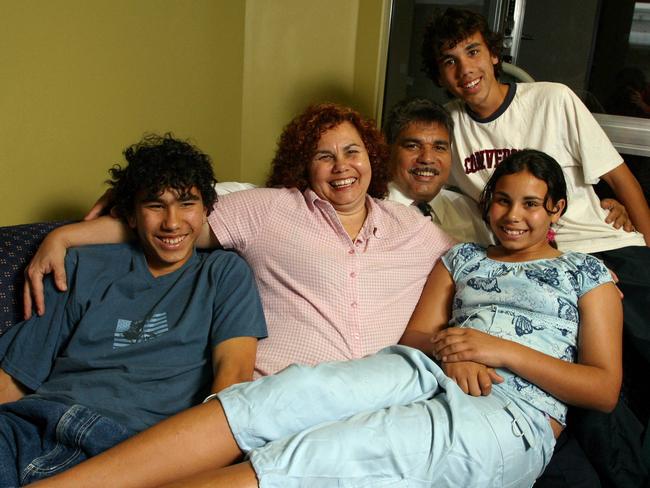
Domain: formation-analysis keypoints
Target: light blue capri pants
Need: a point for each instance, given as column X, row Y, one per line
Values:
column 388, row 420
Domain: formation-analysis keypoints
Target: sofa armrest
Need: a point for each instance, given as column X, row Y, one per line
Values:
column 17, row 245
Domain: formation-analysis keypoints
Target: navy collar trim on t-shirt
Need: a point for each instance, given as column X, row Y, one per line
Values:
column 512, row 89
column 143, row 268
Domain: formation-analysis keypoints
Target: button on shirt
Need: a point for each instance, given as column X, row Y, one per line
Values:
column 325, row 296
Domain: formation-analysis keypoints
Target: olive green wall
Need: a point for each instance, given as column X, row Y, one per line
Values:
column 300, row 52
column 80, row 80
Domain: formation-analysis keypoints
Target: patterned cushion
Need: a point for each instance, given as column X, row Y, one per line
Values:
column 17, row 245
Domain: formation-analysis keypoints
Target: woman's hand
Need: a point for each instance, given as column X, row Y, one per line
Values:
column 460, row 344
column 473, row 378
column 49, row 258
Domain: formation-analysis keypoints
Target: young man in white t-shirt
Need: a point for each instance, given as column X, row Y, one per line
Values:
column 493, row 119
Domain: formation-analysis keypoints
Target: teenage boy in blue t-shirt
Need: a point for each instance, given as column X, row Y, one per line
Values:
column 143, row 331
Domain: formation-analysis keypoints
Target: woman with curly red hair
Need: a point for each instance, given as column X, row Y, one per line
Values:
column 338, row 269
column 300, row 138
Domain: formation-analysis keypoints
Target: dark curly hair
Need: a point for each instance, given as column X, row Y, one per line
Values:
column 158, row 163
column 450, row 27
column 541, row 166
column 412, row 110
column 299, row 140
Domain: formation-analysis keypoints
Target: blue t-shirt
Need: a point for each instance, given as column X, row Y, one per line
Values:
column 132, row 347
column 534, row 303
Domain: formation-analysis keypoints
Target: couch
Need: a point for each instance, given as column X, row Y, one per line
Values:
column 18, row 243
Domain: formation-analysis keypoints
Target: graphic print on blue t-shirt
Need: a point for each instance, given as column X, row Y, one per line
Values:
column 129, row 332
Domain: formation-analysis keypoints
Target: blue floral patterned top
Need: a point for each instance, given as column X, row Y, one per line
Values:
column 534, row 303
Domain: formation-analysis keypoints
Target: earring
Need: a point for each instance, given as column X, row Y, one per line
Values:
column 550, row 234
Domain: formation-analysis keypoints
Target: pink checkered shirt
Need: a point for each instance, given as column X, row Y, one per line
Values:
column 326, row 297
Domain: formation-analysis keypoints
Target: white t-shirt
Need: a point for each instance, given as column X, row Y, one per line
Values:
column 456, row 214
column 548, row 117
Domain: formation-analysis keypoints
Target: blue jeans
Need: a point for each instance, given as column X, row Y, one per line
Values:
column 40, row 438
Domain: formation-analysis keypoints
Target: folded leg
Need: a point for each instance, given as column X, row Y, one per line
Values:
column 300, row 397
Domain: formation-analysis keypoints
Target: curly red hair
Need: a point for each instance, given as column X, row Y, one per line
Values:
column 299, row 139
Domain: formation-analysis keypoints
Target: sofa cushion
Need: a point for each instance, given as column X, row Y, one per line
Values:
column 17, row 245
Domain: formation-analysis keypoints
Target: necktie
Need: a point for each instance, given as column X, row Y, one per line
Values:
column 425, row 208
